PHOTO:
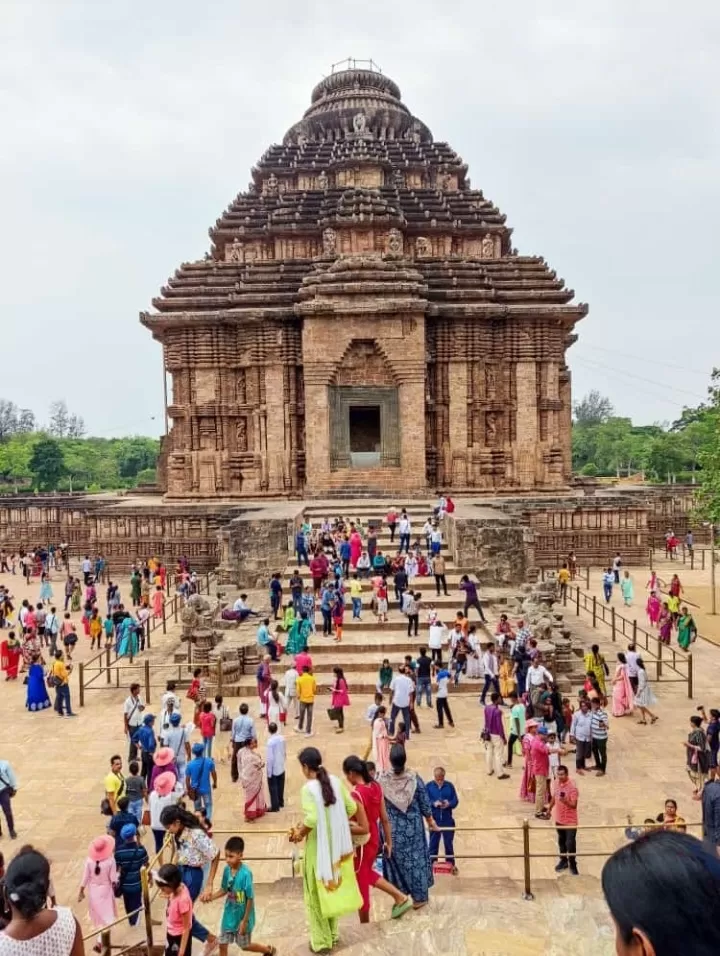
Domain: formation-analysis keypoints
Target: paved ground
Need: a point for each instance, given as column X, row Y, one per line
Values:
column 60, row 765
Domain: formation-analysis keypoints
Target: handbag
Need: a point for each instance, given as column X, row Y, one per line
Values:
column 334, row 713
column 145, row 818
column 485, row 735
column 226, row 723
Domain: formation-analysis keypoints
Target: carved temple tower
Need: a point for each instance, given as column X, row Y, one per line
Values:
column 362, row 322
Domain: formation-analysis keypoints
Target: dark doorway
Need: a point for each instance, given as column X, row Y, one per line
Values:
column 365, row 432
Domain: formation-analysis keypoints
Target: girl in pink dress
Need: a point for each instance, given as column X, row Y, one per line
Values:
column 380, row 741
column 99, row 875
column 157, row 602
column 622, row 692
column 653, row 609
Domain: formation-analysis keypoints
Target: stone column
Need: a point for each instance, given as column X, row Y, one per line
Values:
column 275, row 426
column 526, row 428
column 458, row 412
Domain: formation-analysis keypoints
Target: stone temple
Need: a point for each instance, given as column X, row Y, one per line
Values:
column 363, row 322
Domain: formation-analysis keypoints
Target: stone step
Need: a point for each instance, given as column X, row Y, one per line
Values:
column 364, row 683
column 452, row 576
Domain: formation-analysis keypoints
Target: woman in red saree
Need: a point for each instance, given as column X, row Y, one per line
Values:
column 355, row 547
column 10, row 656
column 252, row 780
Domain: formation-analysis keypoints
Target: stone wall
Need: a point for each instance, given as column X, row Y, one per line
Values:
column 252, row 549
column 492, row 548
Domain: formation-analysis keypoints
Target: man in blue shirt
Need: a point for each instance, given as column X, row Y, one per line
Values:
column 327, row 597
column 265, row 641
column 243, row 730
column 144, row 738
column 301, row 548
column 443, row 800
column 8, row 786
column 200, row 771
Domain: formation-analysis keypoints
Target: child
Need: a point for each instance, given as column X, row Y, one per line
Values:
column 338, row 613
column 567, row 711
column 401, row 736
column 109, row 629
column 95, row 629
column 207, row 724
column 99, row 876
column 554, row 755
column 238, row 915
column 385, row 676
column 195, row 691
column 136, row 791
column 179, row 916
column 291, row 676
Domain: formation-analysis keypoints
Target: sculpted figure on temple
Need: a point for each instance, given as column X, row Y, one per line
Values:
column 398, row 178
column 488, row 247
column 241, row 434
column 422, row 247
column 234, row 252
column 490, row 428
column 323, row 180
column 359, row 122
column 272, row 185
column 329, row 242
column 395, row 242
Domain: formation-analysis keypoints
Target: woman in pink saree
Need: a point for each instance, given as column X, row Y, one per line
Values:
column 252, row 780
column 380, row 741
column 653, row 609
column 622, row 692
column 527, row 781
column 355, row 547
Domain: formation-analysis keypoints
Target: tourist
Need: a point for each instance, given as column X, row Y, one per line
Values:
column 665, row 622
column 130, row 858
column 298, row 635
column 410, row 867
column 194, row 850
column 581, row 734
column 367, row 792
column 381, row 601
column 238, row 916
column 243, row 730
column 8, row 790
column 69, row 590
column 400, row 581
column 207, row 722
column 60, row 675
column 266, row 643
column 133, row 717
column 494, row 736
column 538, row 679
column 10, row 656
column 306, row 689
column 144, row 740
column 438, row 569
column 275, row 755
column 290, row 684
column 517, row 725
column 276, row 590
column 307, row 608
column 165, row 794
column 563, row 807
column 663, row 893
column 412, row 611
column 599, row 731
column 402, row 688
column 52, row 629
column 318, row 571
column 471, row 597
column 404, row 531
column 687, row 629
column 631, row 656
column 380, row 739
column 626, row 589
column 608, row 580
column 122, row 817
column 539, row 767
column 424, row 678
column 339, row 700
column 622, row 692
column 364, row 562
column 100, row 875
column 179, row 911
column 176, row 741
column 563, row 579
column 296, row 589
column 329, row 885
column 263, row 678
column 506, row 675
column 616, row 566
column 114, row 784
column 135, row 790
column 595, row 664
column 443, row 800
column 199, row 774
column 35, row 928
column 711, row 813
column 644, row 697
column 670, row 819
column 712, row 733
column 241, row 611
column 697, row 756
column 491, row 671
column 391, row 521
column 301, row 548
column 338, row 614
column 356, row 597
column 276, row 705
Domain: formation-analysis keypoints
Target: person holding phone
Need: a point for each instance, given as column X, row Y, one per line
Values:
column 563, row 806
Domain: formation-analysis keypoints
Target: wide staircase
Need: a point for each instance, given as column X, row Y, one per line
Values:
column 366, row 642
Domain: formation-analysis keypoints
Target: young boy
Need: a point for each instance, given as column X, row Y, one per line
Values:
column 238, row 915
column 109, row 629
column 208, row 726
column 135, row 790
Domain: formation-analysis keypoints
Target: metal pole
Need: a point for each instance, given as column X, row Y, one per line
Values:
column 147, row 913
column 594, row 611
column 659, row 660
column 147, row 681
column 612, row 622
column 527, row 890
column 713, row 609
column 164, row 623
column 81, row 679
column 108, row 675
column 577, row 601
column 587, row 577
column 634, row 631
column 690, row 676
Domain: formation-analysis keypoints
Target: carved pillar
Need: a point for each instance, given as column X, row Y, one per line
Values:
column 565, row 416
column 526, row 448
column 457, row 412
column 274, row 426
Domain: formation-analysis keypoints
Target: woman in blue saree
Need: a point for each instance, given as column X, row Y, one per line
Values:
column 37, row 695
column 298, row 636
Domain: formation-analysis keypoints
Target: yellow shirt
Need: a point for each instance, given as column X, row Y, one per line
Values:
column 673, row 604
column 59, row 670
column 96, row 627
column 306, row 688
column 115, row 784
column 563, row 576
column 355, row 589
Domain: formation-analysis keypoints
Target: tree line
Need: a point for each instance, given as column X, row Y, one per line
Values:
column 58, row 457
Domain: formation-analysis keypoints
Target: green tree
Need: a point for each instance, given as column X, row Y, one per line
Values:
column 47, row 463
column 593, row 409
column 709, row 455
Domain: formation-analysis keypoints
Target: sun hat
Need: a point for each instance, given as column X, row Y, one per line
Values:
column 175, row 718
column 543, row 730
column 101, row 848
column 128, row 831
column 531, row 723
column 165, row 783
column 149, row 719
column 198, row 749
column 164, row 756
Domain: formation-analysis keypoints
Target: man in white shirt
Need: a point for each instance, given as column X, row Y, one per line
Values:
column 537, row 676
column 401, row 687
column 404, row 530
column 427, row 531
column 290, row 679
column 275, row 764
column 490, row 666
column 133, row 713
column 86, row 568
column 52, row 629
column 631, row 656
column 241, row 609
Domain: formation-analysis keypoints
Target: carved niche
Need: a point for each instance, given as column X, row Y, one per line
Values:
column 323, row 181
column 234, row 252
column 488, row 247
column 241, row 436
column 491, row 428
column 272, row 186
column 329, row 242
column 395, row 243
column 422, row 247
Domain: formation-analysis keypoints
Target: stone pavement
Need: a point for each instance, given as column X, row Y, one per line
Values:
column 61, row 762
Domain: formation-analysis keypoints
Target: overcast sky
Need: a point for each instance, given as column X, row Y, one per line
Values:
column 128, row 127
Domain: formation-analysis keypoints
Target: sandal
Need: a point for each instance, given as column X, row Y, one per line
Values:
column 642, row 721
column 654, row 720
column 399, row 909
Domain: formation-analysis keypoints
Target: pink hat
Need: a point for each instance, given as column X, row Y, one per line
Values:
column 531, row 723
column 164, row 756
column 101, row 848
column 165, row 783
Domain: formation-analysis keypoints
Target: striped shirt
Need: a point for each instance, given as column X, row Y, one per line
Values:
column 599, row 724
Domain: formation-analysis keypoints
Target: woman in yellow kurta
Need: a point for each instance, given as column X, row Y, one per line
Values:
column 506, row 674
column 329, row 886
column 595, row 662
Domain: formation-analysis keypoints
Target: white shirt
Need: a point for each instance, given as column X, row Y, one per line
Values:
column 490, row 663
column 436, row 536
column 86, row 565
column 239, row 605
column 157, row 804
column 455, row 636
column 617, row 562
column 538, row 675
column 427, row 529
column 134, row 709
column 442, row 686
column 402, row 687
column 404, row 526
column 435, row 637
column 631, row 658
column 291, row 676
column 275, row 755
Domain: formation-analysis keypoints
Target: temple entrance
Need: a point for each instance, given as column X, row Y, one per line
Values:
column 365, row 435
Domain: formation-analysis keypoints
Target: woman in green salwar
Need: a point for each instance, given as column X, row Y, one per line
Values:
column 330, row 888
column 76, row 599
column 298, row 637
column 288, row 618
column 687, row 629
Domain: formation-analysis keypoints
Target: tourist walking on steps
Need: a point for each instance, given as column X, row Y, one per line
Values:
column 275, row 756
column 563, row 807
column 491, row 671
column 424, row 678
column 493, row 735
column 404, row 530
column 391, row 521
column 339, row 700
column 442, row 679
column 328, row 857
column 471, row 597
column 368, row 793
column 443, row 800
column 438, row 570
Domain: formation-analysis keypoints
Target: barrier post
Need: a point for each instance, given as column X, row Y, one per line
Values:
column 594, row 611
column 147, row 681
column 175, row 608
column 220, row 676
column 587, row 578
column 105, row 943
column 147, row 637
column 527, row 889
column 81, row 678
column 108, row 675
column 612, row 622
column 660, row 660
column 147, row 914
column 690, row 676
column 164, row 623
column 635, row 631
column 577, row 601
column 692, row 559
column 703, row 559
